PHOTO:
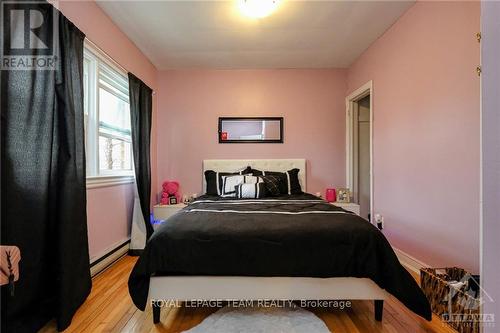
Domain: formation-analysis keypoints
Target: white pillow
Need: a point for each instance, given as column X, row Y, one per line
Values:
column 249, row 179
column 229, row 183
column 250, row 190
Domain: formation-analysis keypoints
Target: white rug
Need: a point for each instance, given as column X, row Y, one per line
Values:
column 261, row 320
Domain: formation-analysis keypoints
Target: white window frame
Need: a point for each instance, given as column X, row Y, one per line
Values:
column 95, row 176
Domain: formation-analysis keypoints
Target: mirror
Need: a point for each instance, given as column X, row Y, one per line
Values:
column 250, row 130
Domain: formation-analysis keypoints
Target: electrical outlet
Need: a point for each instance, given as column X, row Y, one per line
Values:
column 380, row 225
column 379, row 220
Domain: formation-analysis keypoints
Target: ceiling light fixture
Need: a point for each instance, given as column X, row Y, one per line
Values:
column 257, row 8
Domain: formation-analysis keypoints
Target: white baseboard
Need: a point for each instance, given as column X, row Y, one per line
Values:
column 101, row 263
column 409, row 262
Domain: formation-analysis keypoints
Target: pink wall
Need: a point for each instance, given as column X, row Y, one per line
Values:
column 109, row 216
column 109, row 209
column 426, row 131
column 311, row 102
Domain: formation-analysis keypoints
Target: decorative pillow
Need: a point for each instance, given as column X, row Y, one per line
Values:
column 253, row 179
column 283, row 183
column 250, row 191
column 288, row 181
column 255, row 172
column 272, row 184
column 214, row 179
column 229, row 183
column 293, row 181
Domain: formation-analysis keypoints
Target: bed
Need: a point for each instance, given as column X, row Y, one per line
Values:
column 291, row 247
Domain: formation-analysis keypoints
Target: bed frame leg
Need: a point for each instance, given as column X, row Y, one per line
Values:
column 156, row 313
column 379, row 309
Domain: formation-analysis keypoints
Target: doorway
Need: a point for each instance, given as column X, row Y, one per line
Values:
column 359, row 151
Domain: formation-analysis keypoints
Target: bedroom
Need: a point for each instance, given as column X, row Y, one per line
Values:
column 432, row 157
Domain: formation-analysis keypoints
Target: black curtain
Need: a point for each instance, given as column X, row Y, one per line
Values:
column 43, row 183
column 141, row 105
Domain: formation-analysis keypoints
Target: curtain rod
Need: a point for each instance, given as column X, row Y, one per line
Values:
column 94, row 45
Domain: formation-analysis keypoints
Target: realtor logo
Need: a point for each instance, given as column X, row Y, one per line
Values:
column 29, row 35
column 470, row 319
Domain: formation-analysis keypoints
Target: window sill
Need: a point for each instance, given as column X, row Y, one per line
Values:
column 106, row 181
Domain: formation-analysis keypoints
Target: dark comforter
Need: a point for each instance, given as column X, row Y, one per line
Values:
column 296, row 235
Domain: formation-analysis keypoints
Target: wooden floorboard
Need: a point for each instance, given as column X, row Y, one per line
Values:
column 110, row 309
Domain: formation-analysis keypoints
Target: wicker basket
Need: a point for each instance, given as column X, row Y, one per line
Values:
column 459, row 312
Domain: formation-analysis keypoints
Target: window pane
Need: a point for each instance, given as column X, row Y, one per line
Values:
column 114, row 82
column 114, row 154
column 110, row 78
column 114, row 113
column 107, row 117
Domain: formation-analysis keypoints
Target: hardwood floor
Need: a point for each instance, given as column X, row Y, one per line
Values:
column 110, row 309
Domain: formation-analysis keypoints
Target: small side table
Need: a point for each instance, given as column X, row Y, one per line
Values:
column 350, row 206
column 163, row 212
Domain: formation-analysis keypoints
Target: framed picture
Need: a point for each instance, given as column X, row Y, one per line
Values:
column 172, row 201
column 343, row 195
column 250, row 130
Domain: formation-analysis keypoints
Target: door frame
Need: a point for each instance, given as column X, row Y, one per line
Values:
column 351, row 100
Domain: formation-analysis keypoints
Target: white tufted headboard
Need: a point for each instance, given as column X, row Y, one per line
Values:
column 281, row 165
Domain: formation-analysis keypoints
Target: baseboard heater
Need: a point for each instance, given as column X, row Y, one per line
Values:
column 109, row 258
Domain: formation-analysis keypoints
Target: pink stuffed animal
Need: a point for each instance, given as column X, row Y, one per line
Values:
column 170, row 189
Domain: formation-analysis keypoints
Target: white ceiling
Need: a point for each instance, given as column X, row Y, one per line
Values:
column 213, row 34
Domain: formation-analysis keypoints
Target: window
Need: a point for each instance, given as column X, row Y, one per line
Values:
column 108, row 140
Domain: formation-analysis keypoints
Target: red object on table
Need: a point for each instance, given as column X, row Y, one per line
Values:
column 331, row 195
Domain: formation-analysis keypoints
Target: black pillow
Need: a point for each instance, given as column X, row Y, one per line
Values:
column 212, row 176
column 255, row 172
column 283, row 183
column 289, row 181
column 294, row 181
column 272, row 184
